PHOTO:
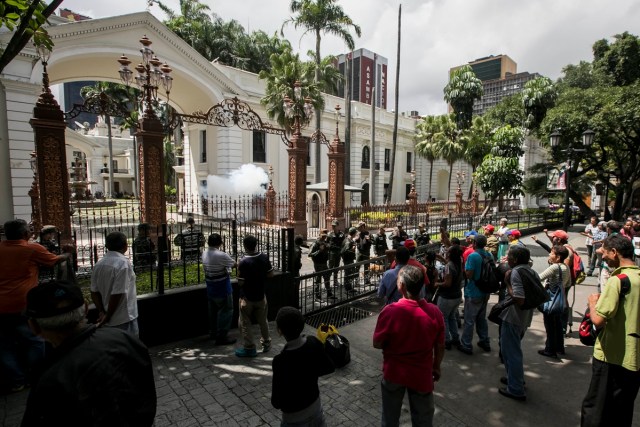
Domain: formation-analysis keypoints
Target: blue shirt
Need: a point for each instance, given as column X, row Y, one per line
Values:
column 474, row 262
column 387, row 283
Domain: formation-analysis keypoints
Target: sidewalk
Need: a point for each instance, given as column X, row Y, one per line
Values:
column 202, row 385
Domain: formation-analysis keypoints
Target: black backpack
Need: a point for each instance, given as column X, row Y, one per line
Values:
column 488, row 281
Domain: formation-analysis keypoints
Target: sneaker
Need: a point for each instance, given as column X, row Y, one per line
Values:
column 464, row 349
column 504, row 381
column 225, row 341
column 503, row 391
column 266, row 346
column 547, row 354
column 485, row 347
column 246, row 352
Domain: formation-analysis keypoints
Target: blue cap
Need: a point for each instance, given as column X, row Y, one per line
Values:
column 470, row 233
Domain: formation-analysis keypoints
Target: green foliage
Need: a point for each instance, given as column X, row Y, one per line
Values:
column 461, row 91
column 476, row 141
column 286, row 69
column 538, row 96
column 509, row 111
column 620, row 59
column 169, row 191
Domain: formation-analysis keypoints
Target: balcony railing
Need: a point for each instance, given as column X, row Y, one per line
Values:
column 106, row 170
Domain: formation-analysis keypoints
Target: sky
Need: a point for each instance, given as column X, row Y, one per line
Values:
column 541, row 36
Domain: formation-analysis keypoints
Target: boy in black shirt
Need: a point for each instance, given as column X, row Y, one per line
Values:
column 296, row 370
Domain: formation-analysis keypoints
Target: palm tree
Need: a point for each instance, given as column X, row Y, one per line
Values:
column 538, row 96
column 286, row 69
column 425, row 138
column 477, row 144
column 461, row 91
column 394, row 147
column 448, row 145
column 321, row 17
column 119, row 94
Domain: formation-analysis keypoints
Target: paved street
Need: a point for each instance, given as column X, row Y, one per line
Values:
column 202, row 385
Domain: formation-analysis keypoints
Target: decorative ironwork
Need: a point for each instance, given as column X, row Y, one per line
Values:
column 99, row 104
column 231, row 112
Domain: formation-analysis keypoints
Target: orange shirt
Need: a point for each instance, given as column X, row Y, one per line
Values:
column 19, row 262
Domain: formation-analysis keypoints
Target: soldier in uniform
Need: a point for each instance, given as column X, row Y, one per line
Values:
column 143, row 247
column 380, row 245
column 319, row 254
column 422, row 236
column 399, row 236
column 335, row 238
column 363, row 241
column 190, row 241
column 348, row 257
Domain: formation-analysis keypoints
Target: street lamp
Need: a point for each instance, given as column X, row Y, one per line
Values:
column 151, row 74
column 587, row 140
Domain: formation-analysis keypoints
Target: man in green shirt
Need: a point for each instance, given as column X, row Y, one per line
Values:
column 615, row 378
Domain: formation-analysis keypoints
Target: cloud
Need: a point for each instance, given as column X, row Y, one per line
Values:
column 539, row 35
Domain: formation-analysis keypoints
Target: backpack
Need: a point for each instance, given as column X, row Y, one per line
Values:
column 534, row 292
column 488, row 281
column 587, row 331
column 577, row 267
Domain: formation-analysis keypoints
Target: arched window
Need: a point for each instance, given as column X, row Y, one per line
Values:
column 365, row 157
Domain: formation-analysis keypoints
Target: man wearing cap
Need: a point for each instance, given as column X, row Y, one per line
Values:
column 93, row 376
column 388, row 288
column 492, row 240
column 319, row 254
column 380, row 245
column 475, row 301
column 19, row 264
column 399, row 236
column 470, row 237
column 348, row 254
column 363, row 242
column 336, row 239
column 113, row 286
column 514, row 238
column 48, row 239
column 190, row 241
column 422, row 236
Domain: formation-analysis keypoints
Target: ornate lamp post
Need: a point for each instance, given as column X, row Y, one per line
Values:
column 151, row 75
column 300, row 110
column 413, row 196
column 50, row 158
column 587, row 140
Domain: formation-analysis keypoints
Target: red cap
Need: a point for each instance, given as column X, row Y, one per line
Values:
column 490, row 228
column 410, row 244
column 560, row 234
column 515, row 233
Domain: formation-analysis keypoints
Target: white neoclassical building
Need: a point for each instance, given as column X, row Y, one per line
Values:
column 88, row 51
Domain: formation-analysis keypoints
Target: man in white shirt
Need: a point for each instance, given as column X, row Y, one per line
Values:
column 113, row 286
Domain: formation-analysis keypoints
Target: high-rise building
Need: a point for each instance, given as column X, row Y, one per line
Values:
column 500, row 79
column 364, row 78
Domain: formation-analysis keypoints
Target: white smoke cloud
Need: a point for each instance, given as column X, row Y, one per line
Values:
column 248, row 179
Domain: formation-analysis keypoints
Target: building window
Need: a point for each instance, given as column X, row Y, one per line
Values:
column 259, row 146
column 203, row 146
column 386, row 191
column 407, row 191
column 203, row 188
column 387, row 159
column 114, row 165
column 366, row 159
column 409, row 162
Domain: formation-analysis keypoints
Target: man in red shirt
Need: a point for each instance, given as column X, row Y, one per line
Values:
column 410, row 333
column 19, row 264
column 470, row 237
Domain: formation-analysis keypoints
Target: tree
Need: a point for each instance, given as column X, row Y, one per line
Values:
column 620, row 59
column 321, row 17
column 476, row 142
column 395, row 114
column 538, row 96
column 427, row 130
column 461, row 92
column 119, row 94
column 500, row 174
column 508, row 111
column 26, row 19
column 286, row 69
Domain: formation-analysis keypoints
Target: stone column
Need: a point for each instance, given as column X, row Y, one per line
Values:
column 53, row 178
column 335, row 202
column 298, row 183
column 151, row 166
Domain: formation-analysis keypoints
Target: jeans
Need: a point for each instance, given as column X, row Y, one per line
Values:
column 595, row 260
column 475, row 312
column 449, row 309
column 319, row 267
column 511, row 348
column 258, row 309
column 611, row 394
column 20, row 349
column 220, row 316
column 555, row 337
column 421, row 405
column 131, row 327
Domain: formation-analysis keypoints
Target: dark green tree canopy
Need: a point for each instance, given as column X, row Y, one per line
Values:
column 461, row 92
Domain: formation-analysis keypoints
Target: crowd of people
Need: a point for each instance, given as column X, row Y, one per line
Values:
column 421, row 320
